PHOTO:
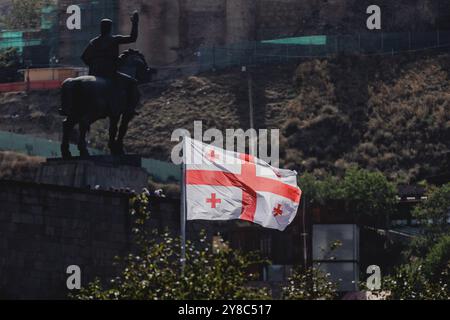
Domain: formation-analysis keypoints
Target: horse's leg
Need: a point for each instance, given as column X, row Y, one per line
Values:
column 68, row 125
column 113, row 122
column 82, row 146
column 126, row 118
column 132, row 100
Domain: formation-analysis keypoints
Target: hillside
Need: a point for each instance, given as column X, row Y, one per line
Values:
column 15, row 166
column 389, row 113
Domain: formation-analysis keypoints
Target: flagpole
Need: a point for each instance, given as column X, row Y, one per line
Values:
column 304, row 234
column 183, row 214
column 183, row 218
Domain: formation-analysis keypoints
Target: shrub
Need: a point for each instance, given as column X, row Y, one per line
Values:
column 435, row 210
column 410, row 282
column 367, row 193
column 155, row 272
column 309, row 284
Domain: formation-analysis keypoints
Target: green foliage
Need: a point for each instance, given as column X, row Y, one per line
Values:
column 426, row 271
column 25, row 14
column 368, row 193
column 154, row 271
column 9, row 65
column 9, row 58
column 437, row 263
column 312, row 283
column 411, row 282
column 309, row 284
column 321, row 191
column 423, row 278
column 435, row 211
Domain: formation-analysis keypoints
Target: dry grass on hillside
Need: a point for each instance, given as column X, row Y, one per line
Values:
column 16, row 166
column 219, row 100
column 390, row 113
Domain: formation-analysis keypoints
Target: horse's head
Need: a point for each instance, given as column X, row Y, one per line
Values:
column 132, row 63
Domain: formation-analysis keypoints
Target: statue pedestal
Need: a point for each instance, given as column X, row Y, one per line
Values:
column 99, row 172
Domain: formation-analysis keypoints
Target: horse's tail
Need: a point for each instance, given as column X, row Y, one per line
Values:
column 67, row 96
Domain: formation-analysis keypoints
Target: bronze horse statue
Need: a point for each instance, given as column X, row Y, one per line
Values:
column 87, row 99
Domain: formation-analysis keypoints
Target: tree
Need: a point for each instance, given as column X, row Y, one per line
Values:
column 312, row 283
column 435, row 210
column 25, row 14
column 426, row 273
column 411, row 282
column 369, row 192
column 433, row 214
column 9, row 65
column 437, row 263
column 154, row 271
column 321, row 191
column 366, row 192
column 309, row 284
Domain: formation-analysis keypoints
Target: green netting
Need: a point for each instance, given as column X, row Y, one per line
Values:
column 33, row 146
column 291, row 48
column 49, row 34
column 49, row 18
column 304, row 41
column 160, row 171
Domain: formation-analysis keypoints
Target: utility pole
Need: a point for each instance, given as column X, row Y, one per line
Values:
column 304, row 233
column 27, row 79
column 250, row 96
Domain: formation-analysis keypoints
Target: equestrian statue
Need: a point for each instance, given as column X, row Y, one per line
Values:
column 109, row 91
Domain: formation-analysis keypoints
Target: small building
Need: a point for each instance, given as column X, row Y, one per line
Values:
column 50, row 74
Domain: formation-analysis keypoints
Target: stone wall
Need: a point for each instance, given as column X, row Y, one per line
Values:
column 92, row 174
column 44, row 229
column 173, row 30
column 159, row 27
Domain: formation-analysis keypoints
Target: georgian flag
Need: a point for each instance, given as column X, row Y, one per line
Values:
column 225, row 185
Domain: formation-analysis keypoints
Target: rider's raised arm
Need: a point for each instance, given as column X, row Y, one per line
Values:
column 134, row 31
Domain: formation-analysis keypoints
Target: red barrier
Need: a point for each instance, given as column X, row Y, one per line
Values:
column 13, row 87
column 34, row 85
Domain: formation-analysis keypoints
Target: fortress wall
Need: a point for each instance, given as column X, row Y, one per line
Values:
column 173, row 30
column 205, row 22
column 240, row 21
column 45, row 229
column 279, row 17
column 159, row 28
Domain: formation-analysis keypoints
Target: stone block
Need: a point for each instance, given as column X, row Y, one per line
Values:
column 105, row 172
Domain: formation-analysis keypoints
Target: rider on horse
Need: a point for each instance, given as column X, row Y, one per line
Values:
column 102, row 57
column 109, row 91
column 102, row 53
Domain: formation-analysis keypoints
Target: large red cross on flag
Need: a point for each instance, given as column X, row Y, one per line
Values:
column 225, row 185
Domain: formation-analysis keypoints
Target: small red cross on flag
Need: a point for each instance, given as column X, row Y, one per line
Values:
column 213, row 201
column 212, row 155
column 245, row 188
column 277, row 211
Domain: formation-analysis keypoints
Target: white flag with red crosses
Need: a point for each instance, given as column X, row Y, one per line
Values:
column 225, row 185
